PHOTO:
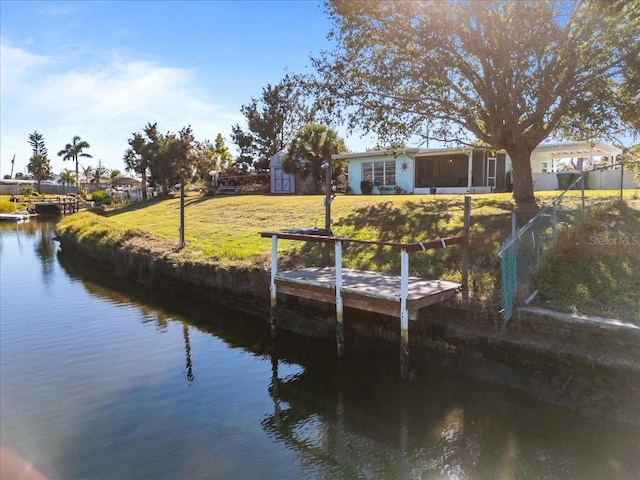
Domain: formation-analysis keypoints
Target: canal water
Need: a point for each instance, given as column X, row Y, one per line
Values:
column 103, row 379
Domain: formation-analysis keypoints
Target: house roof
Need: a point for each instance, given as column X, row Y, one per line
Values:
column 377, row 153
column 275, row 160
column 557, row 150
column 126, row 181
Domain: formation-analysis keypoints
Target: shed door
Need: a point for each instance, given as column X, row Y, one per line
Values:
column 282, row 180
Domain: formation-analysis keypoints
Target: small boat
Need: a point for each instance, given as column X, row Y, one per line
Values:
column 15, row 217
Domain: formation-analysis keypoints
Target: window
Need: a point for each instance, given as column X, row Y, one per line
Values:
column 545, row 167
column 379, row 173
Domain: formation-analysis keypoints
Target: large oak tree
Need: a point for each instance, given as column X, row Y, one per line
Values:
column 509, row 73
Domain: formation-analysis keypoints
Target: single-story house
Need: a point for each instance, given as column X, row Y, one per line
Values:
column 470, row 169
column 415, row 170
column 281, row 182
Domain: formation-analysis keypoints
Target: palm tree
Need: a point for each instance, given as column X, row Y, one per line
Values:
column 87, row 173
column 99, row 174
column 310, row 152
column 74, row 150
column 67, row 177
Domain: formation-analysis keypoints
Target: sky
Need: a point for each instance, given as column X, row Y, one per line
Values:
column 104, row 69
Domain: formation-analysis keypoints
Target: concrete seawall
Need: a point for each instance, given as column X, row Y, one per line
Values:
column 591, row 365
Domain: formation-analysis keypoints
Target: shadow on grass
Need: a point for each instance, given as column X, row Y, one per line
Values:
column 419, row 221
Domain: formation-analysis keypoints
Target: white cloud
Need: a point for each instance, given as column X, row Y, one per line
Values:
column 16, row 63
column 103, row 105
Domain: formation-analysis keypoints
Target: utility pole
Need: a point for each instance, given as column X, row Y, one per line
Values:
column 13, row 162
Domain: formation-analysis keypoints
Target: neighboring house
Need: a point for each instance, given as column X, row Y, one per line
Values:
column 127, row 183
column 549, row 159
column 415, row 170
column 281, row 182
column 473, row 170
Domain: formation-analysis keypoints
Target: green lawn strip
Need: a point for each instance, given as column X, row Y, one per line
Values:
column 225, row 231
column 595, row 267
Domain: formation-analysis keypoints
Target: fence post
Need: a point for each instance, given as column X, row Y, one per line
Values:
column 465, row 248
column 554, row 223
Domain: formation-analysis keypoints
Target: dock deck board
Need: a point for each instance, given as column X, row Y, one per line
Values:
column 365, row 290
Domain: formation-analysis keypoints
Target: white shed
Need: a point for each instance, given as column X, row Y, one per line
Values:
column 281, row 182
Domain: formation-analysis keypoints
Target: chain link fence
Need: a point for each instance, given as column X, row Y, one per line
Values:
column 522, row 255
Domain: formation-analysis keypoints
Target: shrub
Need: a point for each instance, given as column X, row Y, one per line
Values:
column 99, row 195
column 366, row 187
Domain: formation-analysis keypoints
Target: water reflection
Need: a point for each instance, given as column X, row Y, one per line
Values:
column 359, row 422
column 187, row 353
column 45, row 248
column 19, row 229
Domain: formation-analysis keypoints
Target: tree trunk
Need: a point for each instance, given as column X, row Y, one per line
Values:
column 522, row 179
column 143, row 181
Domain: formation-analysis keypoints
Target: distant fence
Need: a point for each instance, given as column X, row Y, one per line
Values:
column 612, row 177
column 523, row 253
column 16, row 188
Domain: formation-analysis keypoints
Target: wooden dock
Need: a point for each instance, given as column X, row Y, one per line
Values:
column 62, row 206
column 365, row 290
column 395, row 295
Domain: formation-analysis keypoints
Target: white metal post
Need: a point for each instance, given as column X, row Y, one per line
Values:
column 272, row 286
column 339, row 305
column 404, row 313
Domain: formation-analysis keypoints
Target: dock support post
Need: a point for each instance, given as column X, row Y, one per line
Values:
column 273, row 293
column 466, row 257
column 339, row 304
column 404, row 313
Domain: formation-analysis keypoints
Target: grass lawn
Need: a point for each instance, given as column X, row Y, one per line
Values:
column 224, row 231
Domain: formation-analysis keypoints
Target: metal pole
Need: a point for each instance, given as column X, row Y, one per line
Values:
column 582, row 175
column 339, row 304
column 181, row 214
column 621, row 179
column 327, row 197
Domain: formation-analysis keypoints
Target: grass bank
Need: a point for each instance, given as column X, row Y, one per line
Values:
column 223, row 231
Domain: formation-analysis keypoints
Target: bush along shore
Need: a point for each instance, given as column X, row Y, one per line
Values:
column 585, row 363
